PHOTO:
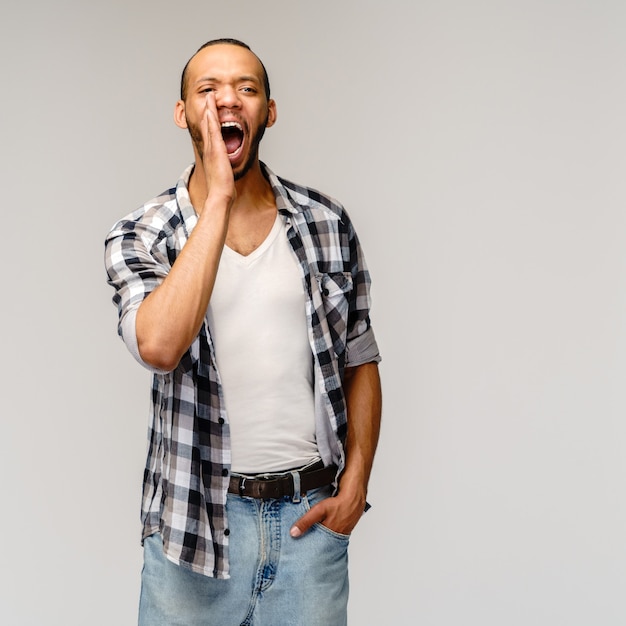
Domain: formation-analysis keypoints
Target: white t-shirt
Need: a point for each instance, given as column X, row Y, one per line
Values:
column 258, row 323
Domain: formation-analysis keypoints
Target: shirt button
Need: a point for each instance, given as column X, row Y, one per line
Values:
column 227, row 532
column 325, row 292
column 220, row 420
column 224, row 472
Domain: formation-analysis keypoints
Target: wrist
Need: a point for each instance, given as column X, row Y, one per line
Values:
column 352, row 488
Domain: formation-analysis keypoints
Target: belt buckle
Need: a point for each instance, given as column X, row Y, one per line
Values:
column 266, row 486
column 242, row 485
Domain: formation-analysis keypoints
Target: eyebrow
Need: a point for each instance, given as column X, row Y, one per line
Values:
column 242, row 79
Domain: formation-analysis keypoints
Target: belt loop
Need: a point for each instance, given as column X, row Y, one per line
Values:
column 296, row 487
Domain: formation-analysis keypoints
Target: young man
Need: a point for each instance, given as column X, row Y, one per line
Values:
column 248, row 297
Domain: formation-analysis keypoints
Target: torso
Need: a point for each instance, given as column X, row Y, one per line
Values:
column 258, row 322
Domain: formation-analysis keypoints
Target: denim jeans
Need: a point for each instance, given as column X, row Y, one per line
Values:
column 275, row 580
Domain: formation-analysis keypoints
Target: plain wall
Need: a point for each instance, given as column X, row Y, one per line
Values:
column 479, row 148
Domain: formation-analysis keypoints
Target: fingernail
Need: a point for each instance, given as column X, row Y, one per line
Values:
column 295, row 531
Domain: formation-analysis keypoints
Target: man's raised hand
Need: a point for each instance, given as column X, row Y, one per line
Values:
column 217, row 168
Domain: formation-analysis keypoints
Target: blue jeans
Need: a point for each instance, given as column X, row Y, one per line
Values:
column 275, row 580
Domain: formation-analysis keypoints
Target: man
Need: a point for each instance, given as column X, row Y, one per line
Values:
column 248, row 297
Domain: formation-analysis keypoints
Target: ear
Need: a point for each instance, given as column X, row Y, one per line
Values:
column 272, row 114
column 180, row 119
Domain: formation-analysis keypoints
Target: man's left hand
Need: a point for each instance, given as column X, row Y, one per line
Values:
column 339, row 514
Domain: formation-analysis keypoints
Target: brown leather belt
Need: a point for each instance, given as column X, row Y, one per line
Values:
column 264, row 486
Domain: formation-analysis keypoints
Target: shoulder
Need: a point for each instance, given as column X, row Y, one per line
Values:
column 158, row 215
column 309, row 197
column 308, row 203
column 320, row 214
column 161, row 217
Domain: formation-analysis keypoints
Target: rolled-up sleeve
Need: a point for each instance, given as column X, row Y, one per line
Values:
column 361, row 344
column 362, row 349
column 134, row 271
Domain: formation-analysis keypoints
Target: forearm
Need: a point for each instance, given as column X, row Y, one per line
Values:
column 364, row 405
column 170, row 317
column 364, row 400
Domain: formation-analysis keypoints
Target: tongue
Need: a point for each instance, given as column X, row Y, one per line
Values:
column 232, row 139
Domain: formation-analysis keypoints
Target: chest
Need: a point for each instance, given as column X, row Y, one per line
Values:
column 246, row 234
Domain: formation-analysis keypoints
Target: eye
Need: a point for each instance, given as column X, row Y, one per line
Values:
column 248, row 89
column 207, row 90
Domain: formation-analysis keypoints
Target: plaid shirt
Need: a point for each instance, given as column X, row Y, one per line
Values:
column 188, row 465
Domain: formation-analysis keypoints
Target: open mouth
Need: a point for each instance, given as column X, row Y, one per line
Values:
column 232, row 133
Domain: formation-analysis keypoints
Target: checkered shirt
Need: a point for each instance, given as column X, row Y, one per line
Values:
column 188, row 462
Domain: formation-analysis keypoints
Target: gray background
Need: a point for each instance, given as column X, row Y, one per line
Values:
column 479, row 147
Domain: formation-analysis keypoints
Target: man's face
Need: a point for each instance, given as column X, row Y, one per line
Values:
column 235, row 76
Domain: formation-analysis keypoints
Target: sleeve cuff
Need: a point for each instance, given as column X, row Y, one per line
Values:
column 362, row 349
column 129, row 336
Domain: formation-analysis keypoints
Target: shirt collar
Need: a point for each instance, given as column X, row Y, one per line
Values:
column 285, row 200
column 189, row 215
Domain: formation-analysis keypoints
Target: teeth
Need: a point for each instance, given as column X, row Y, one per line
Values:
column 231, row 125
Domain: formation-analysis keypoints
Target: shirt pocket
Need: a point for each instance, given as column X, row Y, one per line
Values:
column 336, row 289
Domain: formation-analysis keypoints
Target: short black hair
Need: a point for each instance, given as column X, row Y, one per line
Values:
column 215, row 42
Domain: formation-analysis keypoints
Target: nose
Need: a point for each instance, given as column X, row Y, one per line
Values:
column 227, row 97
